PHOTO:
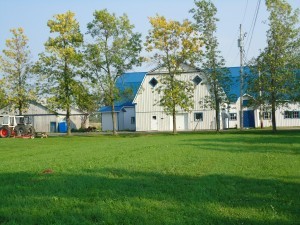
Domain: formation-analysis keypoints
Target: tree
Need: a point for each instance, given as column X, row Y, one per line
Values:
column 15, row 65
column 274, row 73
column 213, row 64
column 116, row 49
column 3, row 97
column 86, row 101
column 175, row 43
column 59, row 67
column 296, row 57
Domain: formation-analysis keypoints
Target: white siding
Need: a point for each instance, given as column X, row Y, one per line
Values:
column 123, row 120
column 42, row 117
column 147, row 107
column 208, row 123
column 130, row 112
column 107, row 124
column 280, row 120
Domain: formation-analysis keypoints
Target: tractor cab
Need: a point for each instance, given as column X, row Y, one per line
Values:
column 9, row 121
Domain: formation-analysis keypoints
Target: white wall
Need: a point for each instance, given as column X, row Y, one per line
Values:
column 107, row 124
column 280, row 120
column 130, row 112
column 147, row 98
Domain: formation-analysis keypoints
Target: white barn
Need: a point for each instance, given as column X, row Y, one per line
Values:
column 151, row 117
column 141, row 113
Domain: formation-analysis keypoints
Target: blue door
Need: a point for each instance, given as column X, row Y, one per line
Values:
column 249, row 118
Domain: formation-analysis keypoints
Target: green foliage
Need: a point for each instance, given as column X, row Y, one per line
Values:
column 15, row 65
column 249, row 177
column 276, row 64
column 174, row 44
column 3, row 97
column 180, row 95
column 213, row 65
column 115, row 50
column 59, row 67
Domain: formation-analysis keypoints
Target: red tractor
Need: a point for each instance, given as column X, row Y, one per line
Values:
column 16, row 126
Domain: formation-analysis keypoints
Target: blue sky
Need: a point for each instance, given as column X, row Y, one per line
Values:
column 33, row 15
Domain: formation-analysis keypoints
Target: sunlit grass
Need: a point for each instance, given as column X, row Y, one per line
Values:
column 249, row 177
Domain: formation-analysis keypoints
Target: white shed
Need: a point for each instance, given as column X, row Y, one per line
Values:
column 46, row 120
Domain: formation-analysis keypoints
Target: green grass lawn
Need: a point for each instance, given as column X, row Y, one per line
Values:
column 251, row 177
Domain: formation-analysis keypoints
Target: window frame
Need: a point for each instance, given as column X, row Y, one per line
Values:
column 132, row 120
column 267, row 115
column 196, row 79
column 195, row 116
column 156, row 82
column 233, row 118
column 291, row 115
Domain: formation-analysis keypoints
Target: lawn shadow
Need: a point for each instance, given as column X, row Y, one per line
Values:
column 287, row 142
column 114, row 196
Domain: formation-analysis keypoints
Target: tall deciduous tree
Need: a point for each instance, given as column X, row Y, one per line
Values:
column 59, row 66
column 15, row 65
column 3, row 97
column 116, row 49
column 276, row 64
column 175, row 43
column 213, row 64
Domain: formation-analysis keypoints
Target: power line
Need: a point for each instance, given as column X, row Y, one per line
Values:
column 245, row 11
column 253, row 23
column 232, row 44
column 234, row 40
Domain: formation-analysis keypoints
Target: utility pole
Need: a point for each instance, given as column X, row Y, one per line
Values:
column 241, row 46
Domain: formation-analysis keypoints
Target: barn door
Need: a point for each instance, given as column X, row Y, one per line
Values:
column 181, row 122
column 249, row 118
column 154, row 123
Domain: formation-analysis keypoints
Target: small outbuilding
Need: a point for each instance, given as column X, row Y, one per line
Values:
column 44, row 119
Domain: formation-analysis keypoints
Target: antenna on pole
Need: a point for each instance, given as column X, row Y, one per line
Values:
column 241, row 46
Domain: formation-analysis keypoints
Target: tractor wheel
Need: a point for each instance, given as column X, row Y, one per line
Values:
column 31, row 131
column 4, row 132
column 21, row 130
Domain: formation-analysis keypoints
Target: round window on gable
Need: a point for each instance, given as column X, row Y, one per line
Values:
column 153, row 82
column 197, row 80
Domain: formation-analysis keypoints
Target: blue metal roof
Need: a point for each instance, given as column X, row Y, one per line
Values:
column 133, row 81
column 234, row 92
column 127, row 81
column 117, row 108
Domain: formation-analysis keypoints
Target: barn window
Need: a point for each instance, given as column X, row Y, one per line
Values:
column 133, row 120
column 267, row 115
column 233, row 116
column 198, row 116
column 197, row 80
column 153, row 82
column 291, row 114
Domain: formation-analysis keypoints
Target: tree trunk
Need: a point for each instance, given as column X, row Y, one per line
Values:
column 217, row 116
column 261, row 119
column 83, row 121
column 113, row 116
column 174, row 121
column 274, row 128
column 68, row 121
column 20, row 108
